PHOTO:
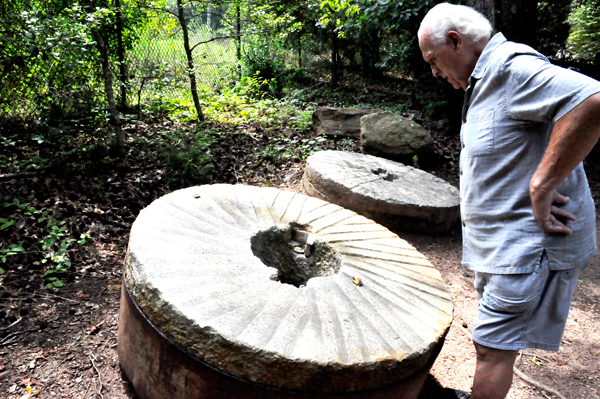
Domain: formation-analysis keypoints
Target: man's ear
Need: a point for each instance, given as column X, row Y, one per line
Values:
column 455, row 38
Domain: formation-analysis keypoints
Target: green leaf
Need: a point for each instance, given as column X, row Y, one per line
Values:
column 2, row 271
column 7, row 224
column 57, row 283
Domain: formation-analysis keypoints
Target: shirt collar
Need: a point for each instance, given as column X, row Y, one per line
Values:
column 486, row 55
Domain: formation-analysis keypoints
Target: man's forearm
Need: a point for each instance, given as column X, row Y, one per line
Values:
column 573, row 137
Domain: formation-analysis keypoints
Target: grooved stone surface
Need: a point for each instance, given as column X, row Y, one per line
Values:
column 395, row 195
column 191, row 267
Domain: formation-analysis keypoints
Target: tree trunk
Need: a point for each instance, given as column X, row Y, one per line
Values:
column 375, row 55
column 121, row 55
column 519, row 21
column 108, row 88
column 334, row 61
column 516, row 19
column 238, row 39
column 299, row 49
column 365, row 55
column 190, row 59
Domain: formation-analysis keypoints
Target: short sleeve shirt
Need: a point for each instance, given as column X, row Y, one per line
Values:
column 514, row 97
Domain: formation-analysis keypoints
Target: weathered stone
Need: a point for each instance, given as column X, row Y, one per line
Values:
column 339, row 121
column 212, row 268
column 399, row 197
column 390, row 135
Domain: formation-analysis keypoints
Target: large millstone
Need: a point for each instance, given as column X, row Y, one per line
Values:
column 395, row 195
column 274, row 288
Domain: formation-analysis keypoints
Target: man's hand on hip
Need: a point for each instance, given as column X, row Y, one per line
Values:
column 548, row 215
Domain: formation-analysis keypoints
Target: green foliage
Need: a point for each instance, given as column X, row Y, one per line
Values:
column 48, row 57
column 185, row 151
column 338, row 14
column 263, row 61
column 584, row 39
column 415, row 160
column 291, row 148
column 52, row 247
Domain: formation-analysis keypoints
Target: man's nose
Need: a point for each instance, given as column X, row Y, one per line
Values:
column 435, row 71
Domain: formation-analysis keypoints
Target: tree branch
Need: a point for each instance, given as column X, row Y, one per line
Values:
column 212, row 40
column 159, row 9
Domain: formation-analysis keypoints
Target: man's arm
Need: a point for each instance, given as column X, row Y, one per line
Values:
column 573, row 137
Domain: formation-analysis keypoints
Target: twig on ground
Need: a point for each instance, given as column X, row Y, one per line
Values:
column 11, row 176
column 12, row 324
column 3, row 342
column 99, row 377
column 51, row 296
column 94, row 329
column 537, row 384
column 75, row 342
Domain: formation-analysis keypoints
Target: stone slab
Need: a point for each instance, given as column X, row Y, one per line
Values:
column 340, row 121
column 374, row 316
column 388, row 135
column 397, row 196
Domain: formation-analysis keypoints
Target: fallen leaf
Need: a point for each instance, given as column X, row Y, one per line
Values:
column 92, row 305
column 29, row 393
column 535, row 361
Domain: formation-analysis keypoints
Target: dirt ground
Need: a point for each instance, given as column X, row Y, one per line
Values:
column 64, row 344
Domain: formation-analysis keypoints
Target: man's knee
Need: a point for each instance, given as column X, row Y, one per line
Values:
column 487, row 354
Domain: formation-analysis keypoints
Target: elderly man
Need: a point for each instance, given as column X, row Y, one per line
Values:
column 527, row 212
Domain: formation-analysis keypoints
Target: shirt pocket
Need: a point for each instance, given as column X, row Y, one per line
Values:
column 478, row 134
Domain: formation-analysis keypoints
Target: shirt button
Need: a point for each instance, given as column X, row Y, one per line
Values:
column 461, row 172
column 463, row 146
column 464, row 224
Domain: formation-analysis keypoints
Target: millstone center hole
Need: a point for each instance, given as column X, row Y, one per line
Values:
column 385, row 175
column 295, row 254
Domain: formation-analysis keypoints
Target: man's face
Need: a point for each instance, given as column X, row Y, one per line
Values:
column 448, row 60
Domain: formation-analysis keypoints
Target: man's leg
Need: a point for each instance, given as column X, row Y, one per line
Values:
column 494, row 372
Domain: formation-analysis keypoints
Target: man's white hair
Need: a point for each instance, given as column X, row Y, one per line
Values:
column 446, row 17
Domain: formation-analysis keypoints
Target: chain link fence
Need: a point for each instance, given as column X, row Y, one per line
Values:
column 158, row 67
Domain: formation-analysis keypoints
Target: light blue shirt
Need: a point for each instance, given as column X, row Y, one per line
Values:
column 513, row 99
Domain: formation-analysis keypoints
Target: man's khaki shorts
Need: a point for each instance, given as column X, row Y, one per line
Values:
column 519, row 311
